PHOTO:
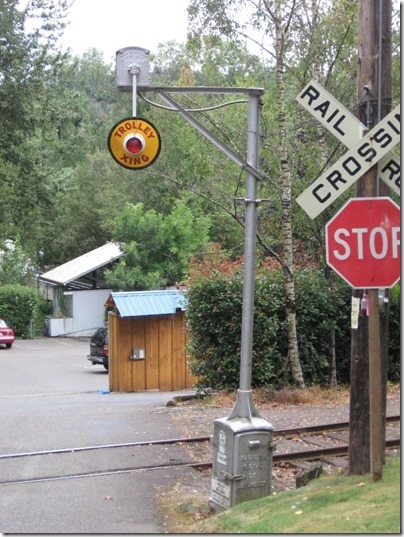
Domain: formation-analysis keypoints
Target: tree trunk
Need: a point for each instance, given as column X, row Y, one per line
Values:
column 286, row 180
column 332, row 360
column 322, row 142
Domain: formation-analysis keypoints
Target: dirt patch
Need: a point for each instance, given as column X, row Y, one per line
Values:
column 271, row 398
column 187, row 501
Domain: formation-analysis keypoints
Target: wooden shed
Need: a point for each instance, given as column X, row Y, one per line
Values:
column 147, row 341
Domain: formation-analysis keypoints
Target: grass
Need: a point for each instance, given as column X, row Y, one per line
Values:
column 330, row 504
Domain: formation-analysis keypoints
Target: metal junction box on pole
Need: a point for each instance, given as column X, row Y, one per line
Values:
column 127, row 60
column 242, row 463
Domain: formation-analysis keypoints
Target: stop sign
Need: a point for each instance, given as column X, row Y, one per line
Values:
column 363, row 242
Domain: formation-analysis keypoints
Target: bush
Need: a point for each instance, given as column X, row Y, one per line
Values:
column 20, row 307
column 322, row 307
column 394, row 363
column 214, row 322
column 214, row 325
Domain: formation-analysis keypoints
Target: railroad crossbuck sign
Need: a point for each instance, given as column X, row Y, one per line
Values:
column 134, row 143
column 363, row 243
column 363, row 153
column 346, row 128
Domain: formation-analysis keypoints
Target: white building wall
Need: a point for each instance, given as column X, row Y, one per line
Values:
column 87, row 314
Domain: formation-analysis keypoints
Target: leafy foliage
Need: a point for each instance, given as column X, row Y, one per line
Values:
column 157, row 247
column 89, row 197
column 214, row 323
column 62, row 195
column 321, row 308
column 14, row 264
column 28, row 65
column 22, row 308
column 394, row 362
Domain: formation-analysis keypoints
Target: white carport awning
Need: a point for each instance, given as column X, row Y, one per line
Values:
column 82, row 265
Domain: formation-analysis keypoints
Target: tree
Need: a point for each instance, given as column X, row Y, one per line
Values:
column 325, row 41
column 297, row 40
column 281, row 22
column 222, row 16
column 156, row 248
column 28, row 61
column 189, row 166
column 15, row 266
column 86, row 201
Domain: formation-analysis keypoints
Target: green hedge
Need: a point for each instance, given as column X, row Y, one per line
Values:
column 214, row 325
column 22, row 309
column 394, row 365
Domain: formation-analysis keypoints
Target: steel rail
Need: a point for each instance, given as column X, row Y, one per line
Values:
column 279, row 432
column 306, row 454
column 101, row 473
column 326, row 427
column 314, row 454
column 105, row 446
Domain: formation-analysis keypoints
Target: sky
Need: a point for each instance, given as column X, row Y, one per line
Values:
column 111, row 25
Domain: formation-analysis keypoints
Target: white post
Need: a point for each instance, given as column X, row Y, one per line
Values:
column 134, row 70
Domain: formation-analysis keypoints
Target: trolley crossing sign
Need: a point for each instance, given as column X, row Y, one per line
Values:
column 134, row 143
column 363, row 154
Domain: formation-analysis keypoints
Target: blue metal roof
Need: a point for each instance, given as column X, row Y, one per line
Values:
column 144, row 303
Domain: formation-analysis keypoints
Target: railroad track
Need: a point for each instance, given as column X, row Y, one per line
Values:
column 298, row 444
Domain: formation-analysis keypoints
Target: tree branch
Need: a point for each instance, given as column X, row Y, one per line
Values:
column 266, row 248
column 290, row 17
column 337, row 54
column 257, row 43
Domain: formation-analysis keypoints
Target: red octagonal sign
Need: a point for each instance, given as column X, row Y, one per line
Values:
column 363, row 242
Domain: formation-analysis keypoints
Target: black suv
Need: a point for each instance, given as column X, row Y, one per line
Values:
column 99, row 347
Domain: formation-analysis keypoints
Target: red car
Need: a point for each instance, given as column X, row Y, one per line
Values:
column 6, row 335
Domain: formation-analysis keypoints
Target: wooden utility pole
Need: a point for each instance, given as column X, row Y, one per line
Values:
column 368, row 343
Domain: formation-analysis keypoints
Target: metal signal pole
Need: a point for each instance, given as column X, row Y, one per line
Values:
column 242, row 442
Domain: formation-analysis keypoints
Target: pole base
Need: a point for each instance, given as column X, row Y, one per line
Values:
column 244, row 407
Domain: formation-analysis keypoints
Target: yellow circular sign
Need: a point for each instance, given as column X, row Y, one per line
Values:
column 134, row 143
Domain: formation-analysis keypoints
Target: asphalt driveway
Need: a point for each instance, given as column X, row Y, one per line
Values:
column 51, row 399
